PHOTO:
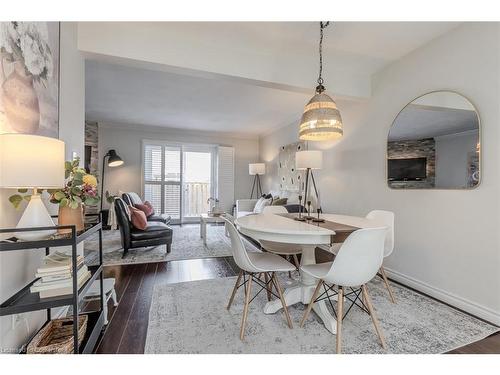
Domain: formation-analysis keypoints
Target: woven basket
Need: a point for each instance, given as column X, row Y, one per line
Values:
column 57, row 336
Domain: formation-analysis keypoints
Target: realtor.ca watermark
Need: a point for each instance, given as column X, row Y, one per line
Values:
column 10, row 350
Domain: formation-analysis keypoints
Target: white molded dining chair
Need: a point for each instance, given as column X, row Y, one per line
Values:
column 252, row 266
column 385, row 218
column 356, row 263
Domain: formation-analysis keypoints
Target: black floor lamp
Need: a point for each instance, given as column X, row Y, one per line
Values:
column 113, row 161
column 309, row 160
column 256, row 169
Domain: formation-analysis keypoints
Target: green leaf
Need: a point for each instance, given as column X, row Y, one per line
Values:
column 73, row 205
column 52, row 191
column 76, row 190
column 64, row 202
column 77, row 199
column 59, row 195
column 91, row 201
column 16, row 200
column 22, row 190
column 27, row 198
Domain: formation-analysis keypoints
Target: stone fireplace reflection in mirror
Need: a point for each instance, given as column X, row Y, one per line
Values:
column 434, row 143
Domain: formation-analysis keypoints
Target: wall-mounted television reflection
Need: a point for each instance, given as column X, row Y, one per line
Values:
column 414, row 169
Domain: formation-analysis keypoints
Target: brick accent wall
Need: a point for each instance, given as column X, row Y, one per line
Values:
column 422, row 148
column 92, row 140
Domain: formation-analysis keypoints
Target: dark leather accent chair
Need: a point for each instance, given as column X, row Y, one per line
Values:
column 156, row 233
column 132, row 198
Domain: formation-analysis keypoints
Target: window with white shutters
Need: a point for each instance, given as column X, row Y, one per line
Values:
column 171, row 174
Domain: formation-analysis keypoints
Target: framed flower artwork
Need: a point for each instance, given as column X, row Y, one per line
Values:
column 29, row 78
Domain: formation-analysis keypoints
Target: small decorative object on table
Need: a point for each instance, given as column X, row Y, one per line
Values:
column 318, row 219
column 300, row 217
column 309, row 216
column 57, row 336
column 214, row 209
column 80, row 190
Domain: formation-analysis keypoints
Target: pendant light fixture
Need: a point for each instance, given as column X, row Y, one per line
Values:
column 321, row 119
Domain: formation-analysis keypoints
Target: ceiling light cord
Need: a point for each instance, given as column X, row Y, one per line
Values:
column 322, row 25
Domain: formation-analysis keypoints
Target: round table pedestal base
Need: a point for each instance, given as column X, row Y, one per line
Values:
column 303, row 292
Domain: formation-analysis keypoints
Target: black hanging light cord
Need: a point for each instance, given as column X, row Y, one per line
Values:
column 322, row 25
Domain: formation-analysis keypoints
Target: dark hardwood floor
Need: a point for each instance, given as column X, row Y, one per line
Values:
column 128, row 322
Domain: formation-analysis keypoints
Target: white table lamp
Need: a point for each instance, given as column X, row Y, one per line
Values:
column 32, row 162
column 311, row 159
column 256, row 169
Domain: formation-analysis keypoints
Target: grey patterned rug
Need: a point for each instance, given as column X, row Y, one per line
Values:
column 186, row 244
column 191, row 317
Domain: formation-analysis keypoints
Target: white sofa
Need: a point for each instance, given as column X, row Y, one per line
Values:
column 246, row 206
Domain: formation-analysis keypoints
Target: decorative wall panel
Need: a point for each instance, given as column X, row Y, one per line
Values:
column 290, row 179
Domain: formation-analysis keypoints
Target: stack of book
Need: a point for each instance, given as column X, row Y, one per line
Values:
column 56, row 275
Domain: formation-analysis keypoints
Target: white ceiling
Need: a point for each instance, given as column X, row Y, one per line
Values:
column 419, row 122
column 124, row 94
column 387, row 41
column 121, row 94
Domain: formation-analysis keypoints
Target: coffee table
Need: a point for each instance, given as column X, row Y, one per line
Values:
column 206, row 218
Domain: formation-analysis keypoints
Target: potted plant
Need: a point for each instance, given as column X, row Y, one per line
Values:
column 80, row 191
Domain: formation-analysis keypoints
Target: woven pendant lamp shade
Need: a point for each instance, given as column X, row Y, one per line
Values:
column 321, row 119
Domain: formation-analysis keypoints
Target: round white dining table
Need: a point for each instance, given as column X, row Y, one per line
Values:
column 272, row 227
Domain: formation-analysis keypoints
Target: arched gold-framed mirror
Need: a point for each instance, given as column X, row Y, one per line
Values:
column 435, row 143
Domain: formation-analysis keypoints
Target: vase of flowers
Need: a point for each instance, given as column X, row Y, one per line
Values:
column 25, row 59
column 80, row 191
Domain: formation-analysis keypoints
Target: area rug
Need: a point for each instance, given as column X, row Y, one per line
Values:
column 186, row 244
column 191, row 317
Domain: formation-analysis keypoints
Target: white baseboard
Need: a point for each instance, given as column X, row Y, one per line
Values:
column 461, row 303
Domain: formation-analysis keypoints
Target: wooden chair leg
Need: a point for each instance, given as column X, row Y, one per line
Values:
column 269, row 286
column 277, row 286
column 245, row 309
column 310, row 306
column 373, row 316
column 386, row 281
column 340, row 315
column 234, row 290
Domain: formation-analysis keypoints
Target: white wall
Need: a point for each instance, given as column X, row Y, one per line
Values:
column 18, row 268
column 451, row 159
column 127, row 140
column 447, row 241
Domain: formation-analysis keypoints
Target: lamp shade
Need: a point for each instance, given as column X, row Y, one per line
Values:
column 31, row 161
column 309, row 159
column 114, row 160
column 321, row 119
column 256, row 168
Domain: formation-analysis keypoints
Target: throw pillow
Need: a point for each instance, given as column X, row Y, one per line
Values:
column 261, row 203
column 150, row 206
column 138, row 218
column 279, row 201
column 147, row 209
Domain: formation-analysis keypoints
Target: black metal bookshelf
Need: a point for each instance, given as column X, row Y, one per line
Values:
column 24, row 301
